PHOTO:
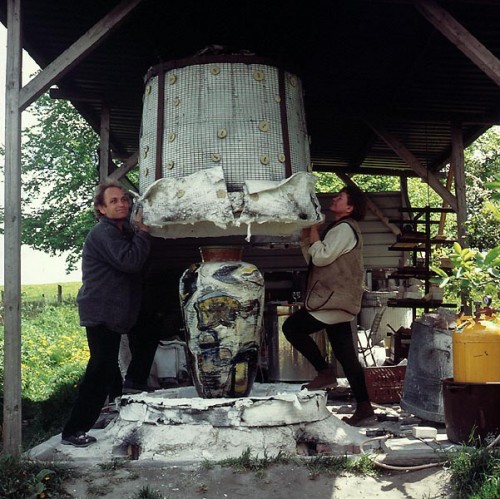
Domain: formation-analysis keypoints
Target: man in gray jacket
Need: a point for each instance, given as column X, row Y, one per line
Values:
column 114, row 255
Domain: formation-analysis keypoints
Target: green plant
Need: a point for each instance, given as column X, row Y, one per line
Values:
column 23, row 478
column 319, row 464
column 475, row 472
column 247, row 462
column 494, row 186
column 147, row 493
column 326, row 464
column 473, row 274
column 114, row 464
column 364, row 465
column 54, row 353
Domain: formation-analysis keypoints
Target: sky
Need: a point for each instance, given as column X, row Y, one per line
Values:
column 36, row 267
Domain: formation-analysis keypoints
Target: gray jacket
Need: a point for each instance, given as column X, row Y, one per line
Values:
column 112, row 264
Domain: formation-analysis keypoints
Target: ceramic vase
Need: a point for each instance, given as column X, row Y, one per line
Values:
column 222, row 301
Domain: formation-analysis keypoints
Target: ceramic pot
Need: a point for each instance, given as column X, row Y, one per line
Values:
column 222, row 301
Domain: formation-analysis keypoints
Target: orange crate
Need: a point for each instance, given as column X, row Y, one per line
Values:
column 385, row 384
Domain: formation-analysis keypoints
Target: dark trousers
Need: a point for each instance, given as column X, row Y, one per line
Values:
column 142, row 342
column 297, row 330
column 99, row 380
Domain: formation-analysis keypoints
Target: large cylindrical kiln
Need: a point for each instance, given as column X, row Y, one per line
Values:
column 231, row 129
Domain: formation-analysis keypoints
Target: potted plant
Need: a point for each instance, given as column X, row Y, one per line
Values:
column 472, row 275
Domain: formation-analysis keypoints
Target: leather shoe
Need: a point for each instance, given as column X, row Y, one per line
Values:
column 326, row 379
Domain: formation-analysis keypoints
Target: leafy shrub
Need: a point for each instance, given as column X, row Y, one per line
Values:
column 54, row 353
column 21, row 479
column 475, row 472
column 54, row 350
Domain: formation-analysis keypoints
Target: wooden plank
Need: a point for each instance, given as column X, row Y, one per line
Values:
column 449, row 181
column 448, row 26
column 129, row 164
column 75, row 53
column 12, row 241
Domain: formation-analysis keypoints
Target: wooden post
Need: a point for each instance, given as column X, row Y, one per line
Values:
column 59, row 294
column 104, row 144
column 12, row 242
column 457, row 164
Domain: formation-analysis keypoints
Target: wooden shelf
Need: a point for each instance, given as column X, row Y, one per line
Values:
column 406, row 272
column 418, row 303
column 408, row 246
column 415, row 241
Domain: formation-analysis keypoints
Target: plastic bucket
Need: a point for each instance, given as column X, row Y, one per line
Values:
column 471, row 410
column 476, row 352
column 429, row 361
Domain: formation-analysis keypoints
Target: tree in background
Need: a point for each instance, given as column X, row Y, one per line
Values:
column 59, row 174
column 483, row 204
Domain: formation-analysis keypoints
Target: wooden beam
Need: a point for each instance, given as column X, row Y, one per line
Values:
column 371, row 205
column 75, row 53
column 448, row 26
column 104, row 156
column 415, row 164
column 458, row 163
column 12, row 241
column 325, row 166
column 131, row 163
column 442, row 218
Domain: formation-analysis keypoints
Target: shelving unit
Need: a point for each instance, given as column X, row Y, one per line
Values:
column 416, row 242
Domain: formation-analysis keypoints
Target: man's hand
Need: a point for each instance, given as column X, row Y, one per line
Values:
column 138, row 221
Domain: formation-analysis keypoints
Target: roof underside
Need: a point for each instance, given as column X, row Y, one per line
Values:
column 360, row 62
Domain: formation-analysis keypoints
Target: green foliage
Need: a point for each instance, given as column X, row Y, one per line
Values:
column 475, row 472
column 53, row 349
column 329, row 182
column 59, row 163
column 331, row 465
column 482, row 172
column 59, row 173
column 494, row 186
column 113, row 465
column 319, row 464
column 483, row 228
column 363, row 465
column 473, row 273
column 54, row 353
column 247, row 462
column 148, row 493
column 24, row 478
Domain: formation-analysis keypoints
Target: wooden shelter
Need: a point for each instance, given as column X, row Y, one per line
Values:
column 396, row 87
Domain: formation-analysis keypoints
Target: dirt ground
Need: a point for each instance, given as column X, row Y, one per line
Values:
column 276, row 482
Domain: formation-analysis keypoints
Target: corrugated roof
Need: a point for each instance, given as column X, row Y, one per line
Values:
column 360, row 61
